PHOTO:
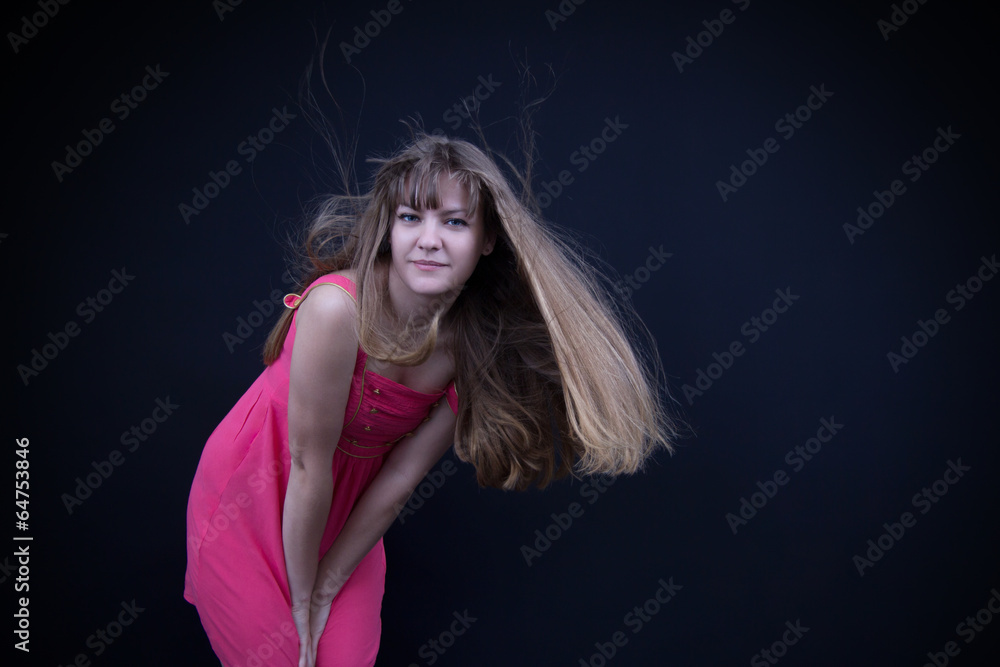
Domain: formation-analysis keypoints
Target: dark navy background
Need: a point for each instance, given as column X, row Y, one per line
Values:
column 652, row 188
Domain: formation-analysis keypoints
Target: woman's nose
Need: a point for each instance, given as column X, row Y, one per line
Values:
column 429, row 236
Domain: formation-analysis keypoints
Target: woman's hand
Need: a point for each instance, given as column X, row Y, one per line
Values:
column 317, row 622
column 307, row 649
column 320, row 603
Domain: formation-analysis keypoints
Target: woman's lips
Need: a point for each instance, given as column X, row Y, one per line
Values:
column 425, row 265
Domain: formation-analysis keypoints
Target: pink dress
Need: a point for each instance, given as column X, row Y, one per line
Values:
column 235, row 558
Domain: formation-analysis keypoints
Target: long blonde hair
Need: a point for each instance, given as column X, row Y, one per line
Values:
column 548, row 368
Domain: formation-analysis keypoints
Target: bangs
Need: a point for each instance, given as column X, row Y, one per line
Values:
column 418, row 186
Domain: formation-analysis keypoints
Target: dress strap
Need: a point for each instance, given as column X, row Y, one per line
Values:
column 452, row 397
column 293, row 300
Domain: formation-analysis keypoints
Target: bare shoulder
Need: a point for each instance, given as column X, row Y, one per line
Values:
column 327, row 313
column 330, row 302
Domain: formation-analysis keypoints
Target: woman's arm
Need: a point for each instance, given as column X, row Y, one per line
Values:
column 322, row 365
column 404, row 468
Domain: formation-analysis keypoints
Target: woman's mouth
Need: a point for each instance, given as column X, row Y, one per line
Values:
column 427, row 265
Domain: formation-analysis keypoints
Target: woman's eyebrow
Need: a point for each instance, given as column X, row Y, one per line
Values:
column 451, row 211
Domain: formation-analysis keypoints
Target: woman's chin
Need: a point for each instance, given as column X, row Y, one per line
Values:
column 435, row 278
column 428, row 283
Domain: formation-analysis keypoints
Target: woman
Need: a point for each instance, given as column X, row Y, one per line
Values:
column 438, row 284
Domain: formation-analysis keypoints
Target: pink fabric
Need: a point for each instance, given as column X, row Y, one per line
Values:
column 235, row 568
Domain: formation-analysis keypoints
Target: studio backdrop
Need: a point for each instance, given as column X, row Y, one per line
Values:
column 798, row 199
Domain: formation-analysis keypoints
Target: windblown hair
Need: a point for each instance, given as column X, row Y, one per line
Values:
column 549, row 373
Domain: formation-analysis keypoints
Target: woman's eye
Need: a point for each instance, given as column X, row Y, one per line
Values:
column 407, row 217
column 457, row 221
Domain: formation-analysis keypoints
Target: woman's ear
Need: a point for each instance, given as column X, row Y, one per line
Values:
column 491, row 239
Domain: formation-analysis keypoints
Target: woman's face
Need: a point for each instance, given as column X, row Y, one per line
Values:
column 435, row 251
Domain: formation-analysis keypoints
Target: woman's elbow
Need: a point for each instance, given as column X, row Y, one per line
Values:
column 310, row 463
